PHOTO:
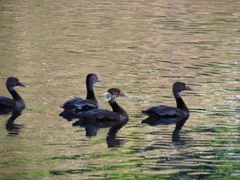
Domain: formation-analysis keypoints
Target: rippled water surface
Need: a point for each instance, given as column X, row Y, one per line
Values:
column 141, row 47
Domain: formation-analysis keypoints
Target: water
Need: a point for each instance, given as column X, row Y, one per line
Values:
column 141, row 47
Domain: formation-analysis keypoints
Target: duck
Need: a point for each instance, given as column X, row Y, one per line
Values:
column 95, row 119
column 77, row 105
column 165, row 115
column 16, row 104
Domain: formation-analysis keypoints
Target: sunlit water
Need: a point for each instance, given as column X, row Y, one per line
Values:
column 141, row 47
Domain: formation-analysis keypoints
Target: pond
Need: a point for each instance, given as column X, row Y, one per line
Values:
column 141, row 47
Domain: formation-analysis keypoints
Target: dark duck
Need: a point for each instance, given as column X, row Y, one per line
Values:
column 77, row 105
column 95, row 119
column 164, row 115
column 8, row 105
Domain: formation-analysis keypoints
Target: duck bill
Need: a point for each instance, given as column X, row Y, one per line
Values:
column 99, row 80
column 122, row 95
column 188, row 88
column 21, row 84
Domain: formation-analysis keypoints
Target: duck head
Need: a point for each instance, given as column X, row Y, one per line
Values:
column 13, row 81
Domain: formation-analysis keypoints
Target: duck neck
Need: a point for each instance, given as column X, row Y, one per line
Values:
column 90, row 92
column 13, row 92
column 179, row 101
column 115, row 107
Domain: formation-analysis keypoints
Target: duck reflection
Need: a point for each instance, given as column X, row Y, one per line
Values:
column 111, row 139
column 11, row 127
column 175, row 136
column 156, row 120
column 92, row 129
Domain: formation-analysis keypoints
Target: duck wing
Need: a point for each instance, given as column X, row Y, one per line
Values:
column 80, row 104
column 77, row 105
column 164, row 111
column 6, row 105
column 162, row 120
column 6, row 101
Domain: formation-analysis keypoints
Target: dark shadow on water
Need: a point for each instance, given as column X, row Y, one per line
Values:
column 64, row 172
column 14, row 129
column 111, row 139
column 156, row 121
column 179, row 140
column 92, row 129
column 11, row 127
column 175, row 137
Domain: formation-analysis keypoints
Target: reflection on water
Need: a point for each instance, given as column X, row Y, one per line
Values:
column 92, row 128
column 142, row 47
column 11, row 127
column 175, row 136
column 111, row 139
column 14, row 129
column 156, row 120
